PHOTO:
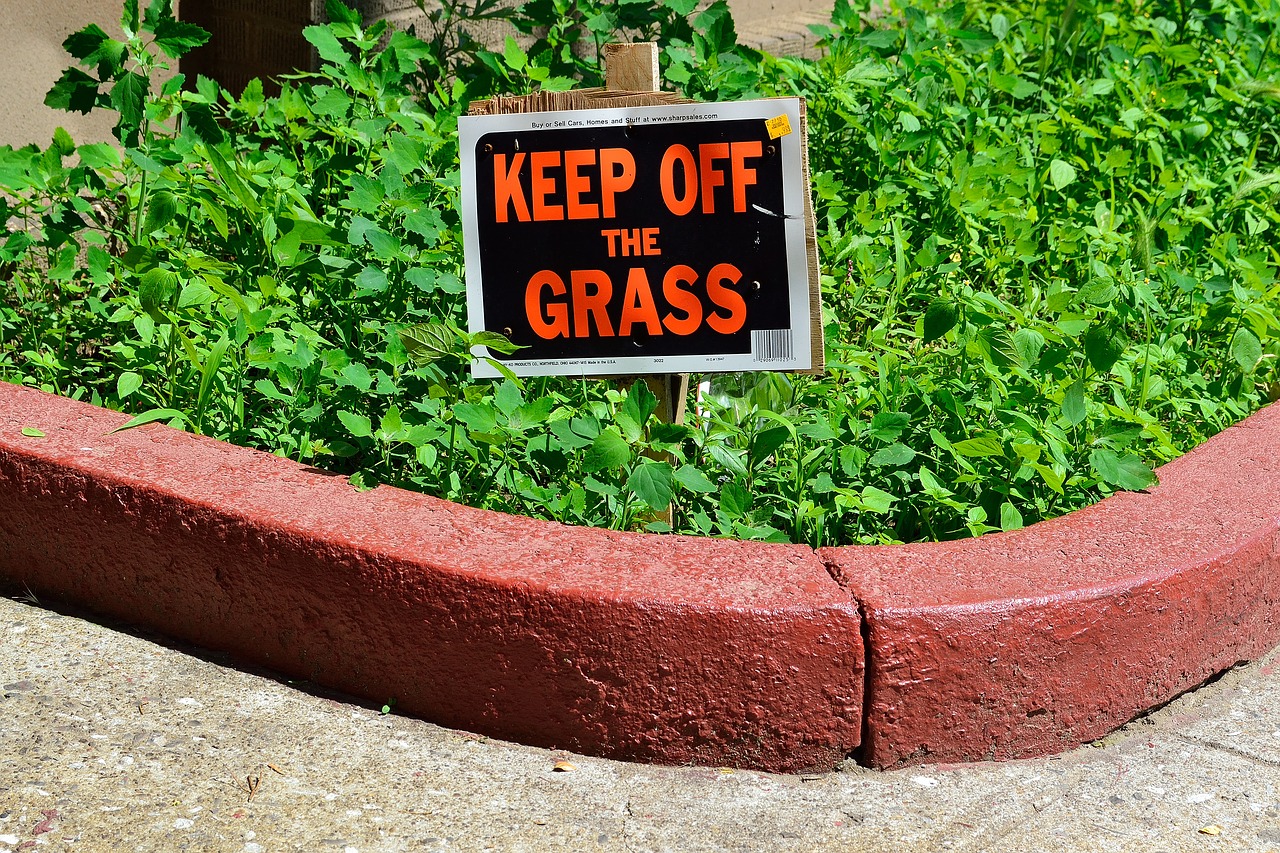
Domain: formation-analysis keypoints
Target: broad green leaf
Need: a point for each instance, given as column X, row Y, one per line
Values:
column 876, row 500
column 358, row 425
column 127, row 383
column 767, row 441
column 1028, row 343
column 1246, row 349
column 162, row 208
column 1103, row 345
column 128, row 99
column 652, row 482
column 1124, row 471
column 694, row 480
column 478, row 417
column 129, row 19
column 939, row 318
column 609, row 451
column 729, row 459
column 493, row 341
column 887, row 426
column 1073, row 407
column 1061, row 173
column 341, row 13
column 735, row 499
column 639, row 405
column 893, row 455
column 327, row 45
column 155, row 288
column 983, row 445
column 1010, row 518
column 178, row 38
column 99, row 155
column 32, row 432
column 75, row 91
column 372, row 279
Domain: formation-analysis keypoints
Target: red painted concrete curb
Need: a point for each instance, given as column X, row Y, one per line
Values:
column 1031, row 642
column 658, row 648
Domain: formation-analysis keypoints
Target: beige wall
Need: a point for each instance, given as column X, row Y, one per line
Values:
column 33, row 58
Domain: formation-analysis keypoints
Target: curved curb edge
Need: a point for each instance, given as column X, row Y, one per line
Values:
column 667, row 649
column 1032, row 642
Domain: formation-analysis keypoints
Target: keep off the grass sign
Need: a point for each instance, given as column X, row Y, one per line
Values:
column 640, row 239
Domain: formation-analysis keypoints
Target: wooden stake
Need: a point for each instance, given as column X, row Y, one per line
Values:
column 634, row 68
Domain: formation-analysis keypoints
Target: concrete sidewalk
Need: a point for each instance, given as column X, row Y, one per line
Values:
column 112, row 742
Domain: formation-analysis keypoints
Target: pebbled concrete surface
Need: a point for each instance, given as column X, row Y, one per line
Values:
column 110, row 741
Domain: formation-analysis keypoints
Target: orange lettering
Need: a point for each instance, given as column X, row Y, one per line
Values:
column 711, row 177
column 591, row 305
column 543, row 186
column 614, row 181
column 575, row 183
column 682, row 300
column 725, row 298
column 666, row 176
column 637, row 305
column 507, row 188
column 555, row 322
column 742, row 176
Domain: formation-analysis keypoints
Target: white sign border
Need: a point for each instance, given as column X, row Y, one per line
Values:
column 472, row 128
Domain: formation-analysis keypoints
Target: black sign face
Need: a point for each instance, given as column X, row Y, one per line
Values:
column 657, row 239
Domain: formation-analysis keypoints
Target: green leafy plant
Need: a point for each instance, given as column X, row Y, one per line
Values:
column 1045, row 236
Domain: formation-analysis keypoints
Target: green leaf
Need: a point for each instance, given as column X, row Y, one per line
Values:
column 327, row 45
column 99, row 155
column 1246, row 349
column 341, row 13
column 876, row 500
column 980, row 446
column 84, row 43
column 128, row 383
column 128, row 99
column 178, row 38
column 887, row 426
column 735, row 499
column 1073, row 407
column 371, row 279
column 162, row 208
column 939, row 318
column 639, row 405
column 152, row 416
column 893, row 455
column 1103, row 346
column 75, row 91
column 493, row 341
column 200, row 118
column 156, row 288
column 1125, row 471
column 477, row 417
column 426, row 342
column 694, row 480
column 32, row 432
column 767, row 441
column 129, row 21
column 609, row 451
column 1028, row 343
column 358, row 425
column 652, row 482
column 1061, row 173
column 1010, row 518
column 727, row 458
column 515, row 58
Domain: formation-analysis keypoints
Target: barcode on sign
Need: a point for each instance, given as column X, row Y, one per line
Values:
column 771, row 345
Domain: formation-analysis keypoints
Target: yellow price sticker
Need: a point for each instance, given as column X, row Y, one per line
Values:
column 779, row 126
